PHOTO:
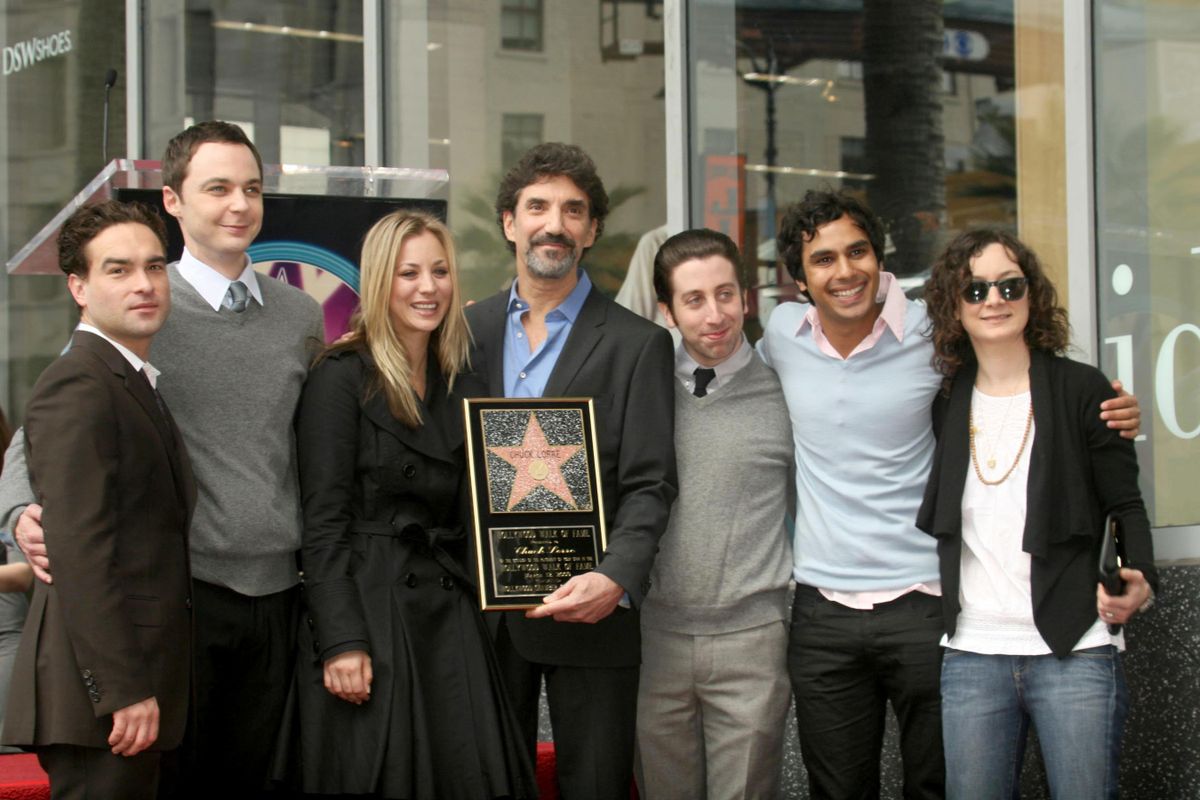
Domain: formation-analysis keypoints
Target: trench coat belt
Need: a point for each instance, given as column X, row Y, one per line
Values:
column 420, row 535
column 411, row 531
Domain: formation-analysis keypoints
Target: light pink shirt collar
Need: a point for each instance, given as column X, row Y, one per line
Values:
column 890, row 318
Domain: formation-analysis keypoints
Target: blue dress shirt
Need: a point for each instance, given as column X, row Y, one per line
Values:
column 526, row 373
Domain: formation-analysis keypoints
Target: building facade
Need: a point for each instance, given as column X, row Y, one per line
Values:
column 1076, row 123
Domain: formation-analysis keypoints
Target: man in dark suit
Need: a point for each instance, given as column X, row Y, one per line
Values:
column 101, row 683
column 554, row 335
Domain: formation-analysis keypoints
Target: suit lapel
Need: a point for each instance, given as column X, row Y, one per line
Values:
column 491, row 344
column 181, row 466
column 585, row 334
column 139, row 387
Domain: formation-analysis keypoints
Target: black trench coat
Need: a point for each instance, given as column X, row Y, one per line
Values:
column 383, row 560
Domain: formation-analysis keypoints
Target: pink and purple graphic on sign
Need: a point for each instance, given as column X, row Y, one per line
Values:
column 325, row 276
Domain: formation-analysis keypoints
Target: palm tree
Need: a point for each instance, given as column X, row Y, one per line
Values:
column 904, row 144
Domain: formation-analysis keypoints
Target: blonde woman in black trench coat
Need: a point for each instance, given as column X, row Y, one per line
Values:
column 398, row 694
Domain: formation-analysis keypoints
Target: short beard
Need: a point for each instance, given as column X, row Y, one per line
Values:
column 550, row 269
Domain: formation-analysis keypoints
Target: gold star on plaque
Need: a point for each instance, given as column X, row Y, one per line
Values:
column 538, row 464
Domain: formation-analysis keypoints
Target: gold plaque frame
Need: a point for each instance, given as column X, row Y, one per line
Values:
column 536, row 500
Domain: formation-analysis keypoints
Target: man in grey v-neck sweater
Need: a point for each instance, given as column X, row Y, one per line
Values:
column 713, row 695
column 232, row 375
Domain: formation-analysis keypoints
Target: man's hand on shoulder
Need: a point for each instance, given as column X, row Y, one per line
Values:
column 134, row 728
column 1122, row 413
column 589, row 597
column 32, row 541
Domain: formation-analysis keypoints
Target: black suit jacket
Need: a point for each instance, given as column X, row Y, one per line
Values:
column 627, row 365
column 109, row 467
column 1079, row 471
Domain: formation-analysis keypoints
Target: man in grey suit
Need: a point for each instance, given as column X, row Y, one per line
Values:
column 554, row 335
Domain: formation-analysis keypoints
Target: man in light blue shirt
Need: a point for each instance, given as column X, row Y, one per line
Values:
column 858, row 379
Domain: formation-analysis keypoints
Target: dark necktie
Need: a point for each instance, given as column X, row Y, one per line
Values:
column 704, row 376
column 157, row 397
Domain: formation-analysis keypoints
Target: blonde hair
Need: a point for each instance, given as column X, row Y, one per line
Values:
column 371, row 326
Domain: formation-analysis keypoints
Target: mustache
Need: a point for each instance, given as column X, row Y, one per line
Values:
column 554, row 238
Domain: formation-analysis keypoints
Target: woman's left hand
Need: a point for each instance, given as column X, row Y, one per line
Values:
column 1118, row 609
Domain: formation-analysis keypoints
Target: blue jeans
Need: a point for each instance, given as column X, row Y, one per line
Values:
column 1077, row 704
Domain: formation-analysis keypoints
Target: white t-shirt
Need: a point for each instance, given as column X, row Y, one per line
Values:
column 994, row 590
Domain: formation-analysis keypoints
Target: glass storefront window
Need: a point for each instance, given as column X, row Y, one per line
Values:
column 469, row 86
column 55, row 60
column 290, row 73
column 914, row 106
column 1147, row 122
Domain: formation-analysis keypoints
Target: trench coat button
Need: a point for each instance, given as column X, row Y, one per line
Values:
column 447, row 583
column 410, row 580
column 87, row 673
column 409, row 470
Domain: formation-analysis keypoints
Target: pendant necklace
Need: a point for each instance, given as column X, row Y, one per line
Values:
column 991, row 462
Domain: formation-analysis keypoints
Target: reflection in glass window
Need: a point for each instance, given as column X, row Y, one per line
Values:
column 518, row 133
column 521, row 24
column 882, row 99
column 292, row 70
column 457, row 104
column 1147, row 56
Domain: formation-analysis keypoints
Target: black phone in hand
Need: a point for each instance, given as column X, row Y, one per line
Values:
column 1110, row 562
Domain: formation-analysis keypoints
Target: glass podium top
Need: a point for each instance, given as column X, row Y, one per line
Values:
column 39, row 256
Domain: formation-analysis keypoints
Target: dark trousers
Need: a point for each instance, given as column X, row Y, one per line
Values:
column 244, row 650
column 846, row 665
column 593, row 712
column 84, row 773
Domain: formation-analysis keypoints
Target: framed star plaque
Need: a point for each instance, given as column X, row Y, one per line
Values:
column 534, row 469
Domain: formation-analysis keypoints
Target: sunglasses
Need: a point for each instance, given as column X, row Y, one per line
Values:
column 1010, row 289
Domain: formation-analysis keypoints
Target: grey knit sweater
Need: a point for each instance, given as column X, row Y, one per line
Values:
column 725, row 561
column 232, row 382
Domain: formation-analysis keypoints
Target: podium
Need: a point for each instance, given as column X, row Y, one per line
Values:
column 314, row 221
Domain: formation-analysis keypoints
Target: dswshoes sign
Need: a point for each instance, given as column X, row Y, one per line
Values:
column 23, row 55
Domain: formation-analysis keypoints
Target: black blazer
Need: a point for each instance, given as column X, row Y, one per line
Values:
column 627, row 364
column 1079, row 471
column 109, row 467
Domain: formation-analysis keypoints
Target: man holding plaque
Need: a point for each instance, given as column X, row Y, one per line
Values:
column 714, row 691
column 553, row 335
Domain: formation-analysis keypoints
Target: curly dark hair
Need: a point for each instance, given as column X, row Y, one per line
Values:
column 185, row 143
column 821, row 207
column 1048, row 329
column 549, row 160
column 88, row 222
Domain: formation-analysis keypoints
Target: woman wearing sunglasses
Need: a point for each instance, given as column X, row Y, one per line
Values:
column 1023, row 477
